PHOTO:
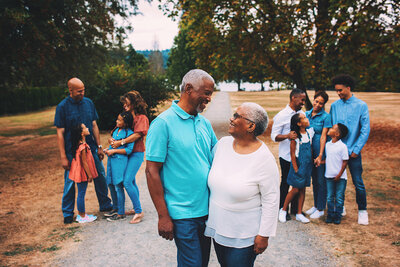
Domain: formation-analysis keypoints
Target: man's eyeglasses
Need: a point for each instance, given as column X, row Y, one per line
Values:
column 235, row 116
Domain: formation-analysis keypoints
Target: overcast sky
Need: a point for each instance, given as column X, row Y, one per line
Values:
column 152, row 25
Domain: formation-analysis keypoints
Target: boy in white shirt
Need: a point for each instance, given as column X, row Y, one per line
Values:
column 337, row 157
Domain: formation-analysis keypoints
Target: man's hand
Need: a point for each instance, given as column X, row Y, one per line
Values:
column 65, row 163
column 292, row 135
column 260, row 244
column 166, row 228
column 353, row 155
column 100, row 153
column 337, row 178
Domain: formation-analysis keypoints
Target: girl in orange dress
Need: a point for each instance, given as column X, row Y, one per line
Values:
column 83, row 169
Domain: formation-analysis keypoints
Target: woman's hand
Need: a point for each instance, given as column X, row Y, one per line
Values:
column 260, row 244
column 116, row 144
column 109, row 152
column 317, row 161
column 110, row 140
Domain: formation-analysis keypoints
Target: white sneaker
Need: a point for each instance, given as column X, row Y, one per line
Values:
column 363, row 217
column 317, row 214
column 311, row 211
column 302, row 218
column 282, row 215
column 344, row 212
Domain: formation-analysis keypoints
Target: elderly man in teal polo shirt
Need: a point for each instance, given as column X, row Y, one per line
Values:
column 179, row 156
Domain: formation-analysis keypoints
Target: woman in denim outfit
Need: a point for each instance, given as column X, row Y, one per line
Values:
column 320, row 120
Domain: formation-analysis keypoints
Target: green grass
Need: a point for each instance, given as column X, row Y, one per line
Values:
column 20, row 249
column 42, row 131
column 396, row 243
column 50, row 249
column 397, row 178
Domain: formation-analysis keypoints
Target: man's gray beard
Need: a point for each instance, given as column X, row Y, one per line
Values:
column 198, row 109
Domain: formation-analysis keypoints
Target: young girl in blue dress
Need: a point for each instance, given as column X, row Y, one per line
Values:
column 83, row 169
column 301, row 165
column 116, row 165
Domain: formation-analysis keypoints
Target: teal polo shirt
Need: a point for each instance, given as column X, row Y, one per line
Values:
column 183, row 143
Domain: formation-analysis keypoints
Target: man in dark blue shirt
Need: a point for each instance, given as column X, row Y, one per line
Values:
column 73, row 110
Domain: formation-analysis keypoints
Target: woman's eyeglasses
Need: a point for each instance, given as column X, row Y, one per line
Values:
column 236, row 116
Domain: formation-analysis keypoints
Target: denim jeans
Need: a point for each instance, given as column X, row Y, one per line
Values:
column 355, row 166
column 235, row 257
column 284, row 187
column 100, row 185
column 114, row 196
column 192, row 245
column 319, row 186
column 118, row 197
column 336, row 193
column 80, row 201
column 134, row 162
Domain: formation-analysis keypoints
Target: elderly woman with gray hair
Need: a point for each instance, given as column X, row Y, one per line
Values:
column 244, row 190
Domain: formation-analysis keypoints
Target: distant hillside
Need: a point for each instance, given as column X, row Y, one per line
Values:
column 165, row 54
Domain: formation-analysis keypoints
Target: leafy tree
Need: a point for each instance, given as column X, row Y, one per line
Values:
column 181, row 58
column 114, row 81
column 303, row 43
column 44, row 41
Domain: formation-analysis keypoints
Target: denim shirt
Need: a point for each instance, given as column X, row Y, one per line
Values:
column 69, row 113
column 320, row 121
column 354, row 114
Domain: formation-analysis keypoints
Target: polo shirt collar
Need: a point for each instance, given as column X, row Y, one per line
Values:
column 318, row 114
column 180, row 112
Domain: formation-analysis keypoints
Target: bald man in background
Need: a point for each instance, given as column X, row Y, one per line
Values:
column 73, row 110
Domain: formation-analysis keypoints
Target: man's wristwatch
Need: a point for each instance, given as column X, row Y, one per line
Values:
column 100, row 146
column 122, row 142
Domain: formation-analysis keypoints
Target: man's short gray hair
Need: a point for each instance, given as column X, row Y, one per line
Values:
column 258, row 115
column 194, row 77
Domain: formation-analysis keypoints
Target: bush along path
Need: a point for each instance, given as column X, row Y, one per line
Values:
column 119, row 243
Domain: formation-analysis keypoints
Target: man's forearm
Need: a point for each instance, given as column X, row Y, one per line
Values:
column 281, row 137
column 61, row 142
column 96, row 133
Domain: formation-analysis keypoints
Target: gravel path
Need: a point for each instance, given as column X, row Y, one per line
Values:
column 122, row 244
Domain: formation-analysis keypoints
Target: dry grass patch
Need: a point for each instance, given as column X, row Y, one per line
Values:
column 377, row 244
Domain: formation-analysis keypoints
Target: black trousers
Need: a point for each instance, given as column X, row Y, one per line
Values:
column 284, row 188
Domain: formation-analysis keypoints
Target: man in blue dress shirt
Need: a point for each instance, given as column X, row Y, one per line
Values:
column 353, row 113
column 179, row 155
column 73, row 110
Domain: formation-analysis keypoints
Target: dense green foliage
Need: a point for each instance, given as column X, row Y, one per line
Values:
column 45, row 42
column 114, row 81
column 30, row 99
column 181, row 58
column 302, row 43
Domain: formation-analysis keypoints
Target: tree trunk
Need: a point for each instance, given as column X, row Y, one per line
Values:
column 238, row 83
column 262, row 86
